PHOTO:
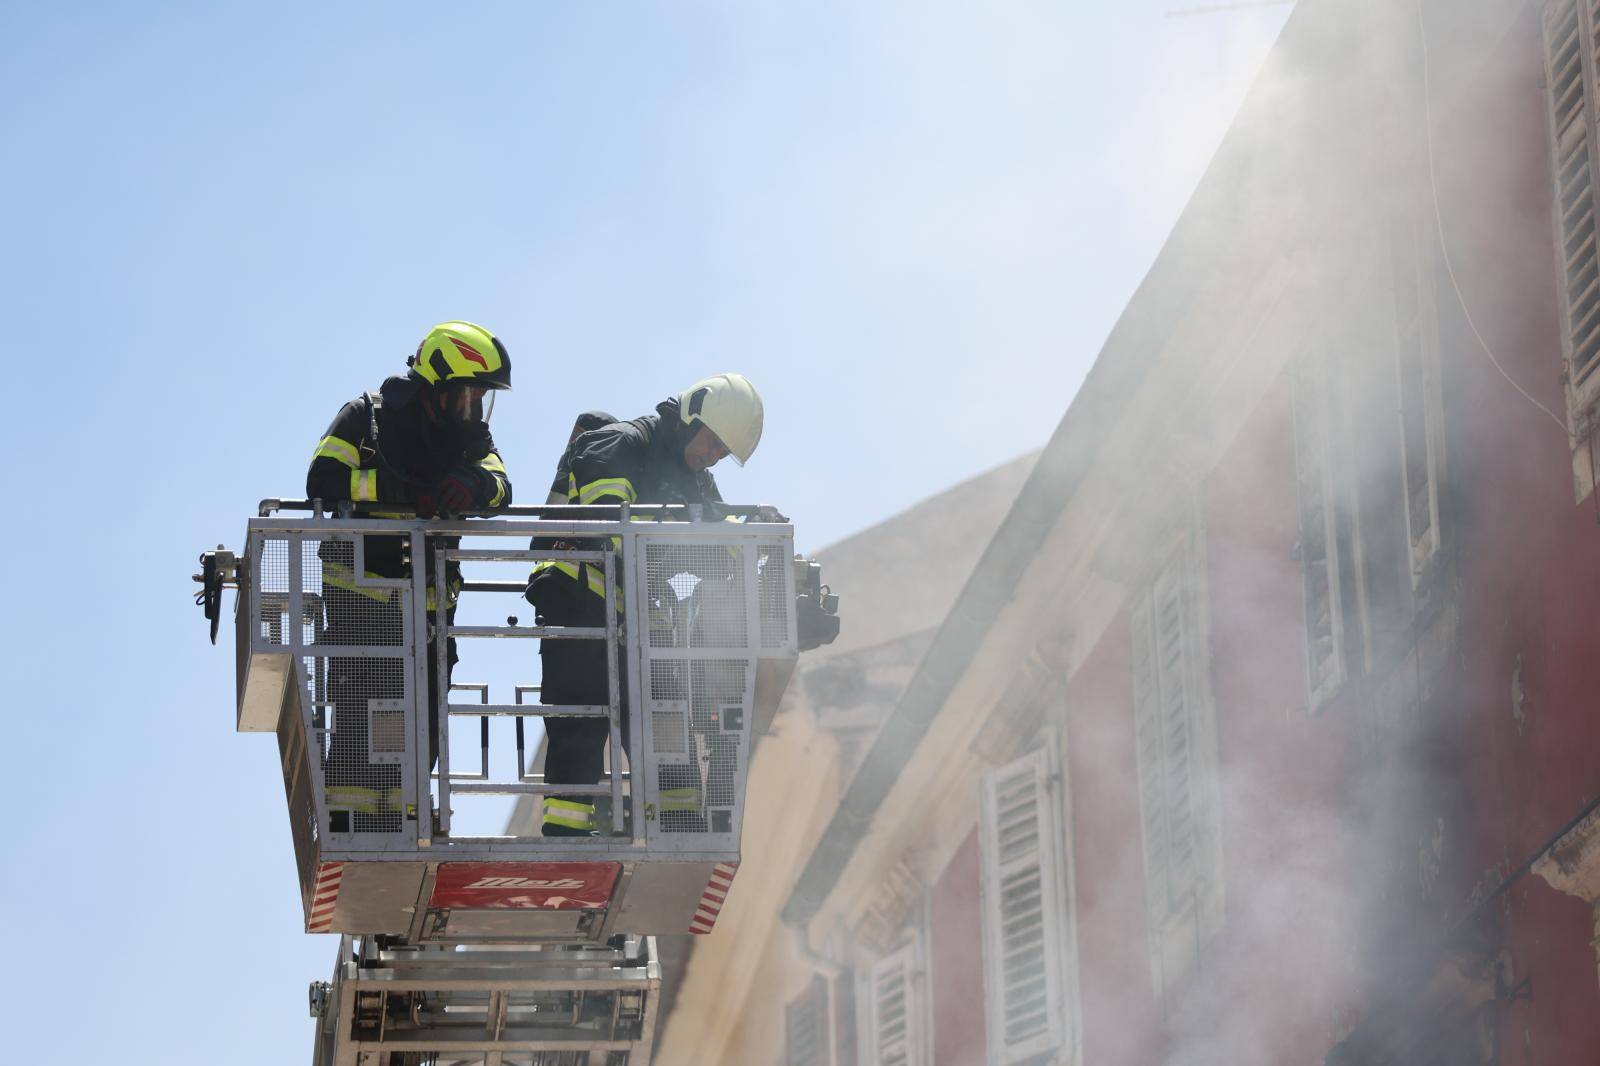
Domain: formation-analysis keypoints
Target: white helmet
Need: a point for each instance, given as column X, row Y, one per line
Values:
column 731, row 407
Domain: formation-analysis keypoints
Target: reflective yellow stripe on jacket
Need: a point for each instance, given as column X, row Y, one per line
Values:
column 596, row 491
column 341, row 576
column 601, row 488
column 364, row 486
column 497, row 469
column 595, row 577
column 568, row 814
column 339, row 449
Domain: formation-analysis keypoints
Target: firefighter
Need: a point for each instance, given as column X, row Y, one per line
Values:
column 583, row 424
column 420, row 442
column 661, row 458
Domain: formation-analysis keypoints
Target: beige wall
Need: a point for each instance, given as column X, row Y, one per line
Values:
column 897, row 580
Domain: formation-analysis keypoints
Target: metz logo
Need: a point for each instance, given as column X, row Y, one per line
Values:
column 524, row 882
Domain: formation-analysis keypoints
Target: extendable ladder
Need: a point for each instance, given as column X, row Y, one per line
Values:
column 593, row 1005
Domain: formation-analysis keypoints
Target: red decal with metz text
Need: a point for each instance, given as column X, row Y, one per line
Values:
column 558, row 886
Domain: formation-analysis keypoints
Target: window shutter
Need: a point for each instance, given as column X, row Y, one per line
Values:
column 1417, row 383
column 1162, row 727
column 842, row 997
column 1026, row 910
column 1174, row 730
column 1569, row 31
column 1171, row 646
column 806, row 1041
column 891, row 1004
column 1147, row 733
column 1319, row 543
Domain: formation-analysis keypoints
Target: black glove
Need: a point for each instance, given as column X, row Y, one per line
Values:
column 463, row 489
column 476, row 443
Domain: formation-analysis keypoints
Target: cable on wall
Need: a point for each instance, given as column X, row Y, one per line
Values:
column 1444, row 251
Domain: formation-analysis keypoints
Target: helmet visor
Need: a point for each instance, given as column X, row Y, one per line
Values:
column 468, row 403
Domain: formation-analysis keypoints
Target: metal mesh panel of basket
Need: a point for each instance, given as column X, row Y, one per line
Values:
column 694, row 793
column 772, row 594
column 361, row 797
column 354, row 616
column 669, row 732
column 273, row 589
column 312, row 617
column 719, row 685
column 315, row 674
column 700, row 589
column 669, row 679
column 669, row 728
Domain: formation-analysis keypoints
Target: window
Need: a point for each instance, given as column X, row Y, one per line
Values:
column 1569, row 33
column 893, row 1019
column 1175, row 731
column 1321, row 539
column 1029, row 957
column 842, row 995
column 1369, row 457
column 805, row 1027
column 1421, row 408
column 819, row 1024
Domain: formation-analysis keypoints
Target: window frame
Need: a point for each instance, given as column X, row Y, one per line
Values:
column 1573, row 138
column 815, row 1001
column 908, row 959
column 1180, row 920
column 1315, row 462
column 1417, row 338
column 1052, row 854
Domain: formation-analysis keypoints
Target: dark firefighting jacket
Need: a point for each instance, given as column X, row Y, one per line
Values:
column 383, row 448
column 638, row 461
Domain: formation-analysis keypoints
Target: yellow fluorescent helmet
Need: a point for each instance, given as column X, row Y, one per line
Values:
column 731, row 407
column 462, row 352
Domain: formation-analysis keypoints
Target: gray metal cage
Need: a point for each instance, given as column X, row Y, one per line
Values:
column 342, row 664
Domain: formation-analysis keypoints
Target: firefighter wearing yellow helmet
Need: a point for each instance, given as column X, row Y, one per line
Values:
column 661, row 458
column 419, row 443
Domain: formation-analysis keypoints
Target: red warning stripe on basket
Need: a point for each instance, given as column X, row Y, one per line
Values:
column 712, row 899
column 324, row 897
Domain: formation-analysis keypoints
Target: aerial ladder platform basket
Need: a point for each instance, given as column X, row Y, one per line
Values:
column 484, row 942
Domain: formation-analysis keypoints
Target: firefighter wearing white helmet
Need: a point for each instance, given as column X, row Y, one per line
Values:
column 730, row 407
column 660, row 458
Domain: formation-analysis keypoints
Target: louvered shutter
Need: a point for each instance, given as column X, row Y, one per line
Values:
column 1175, row 731
column 1025, row 909
column 1163, row 729
column 1319, row 544
column 892, row 1009
column 1569, row 30
column 806, row 1038
column 1147, row 733
column 1416, row 380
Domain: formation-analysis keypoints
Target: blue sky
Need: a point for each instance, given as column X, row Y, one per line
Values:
column 910, row 223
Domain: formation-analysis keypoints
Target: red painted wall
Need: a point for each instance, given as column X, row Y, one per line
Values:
column 1121, row 1019
column 1528, row 566
column 1328, row 820
column 956, row 964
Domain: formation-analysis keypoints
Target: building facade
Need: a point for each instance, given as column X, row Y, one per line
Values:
column 1263, row 729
